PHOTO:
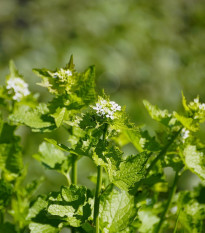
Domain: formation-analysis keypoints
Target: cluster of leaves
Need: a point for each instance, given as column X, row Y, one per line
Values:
column 135, row 196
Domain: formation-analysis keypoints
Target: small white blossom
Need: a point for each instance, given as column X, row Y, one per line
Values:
column 62, row 73
column 202, row 106
column 19, row 87
column 173, row 210
column 184, row 134
column 106, row 108
column 196, row 100
column 68, row 72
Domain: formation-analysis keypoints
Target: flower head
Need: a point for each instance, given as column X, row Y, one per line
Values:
column 62, row 74
column 106, row 108
column 18, row 87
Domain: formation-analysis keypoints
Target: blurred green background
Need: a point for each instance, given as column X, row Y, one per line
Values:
column 142, row 50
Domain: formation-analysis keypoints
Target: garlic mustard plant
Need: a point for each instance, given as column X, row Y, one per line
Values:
column 130, row 192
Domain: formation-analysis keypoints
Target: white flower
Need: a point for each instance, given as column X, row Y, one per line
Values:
column 196, row 100
column 19, row 87
column 68, row 72
column 62, row 73
column 106, row 108
column 184, row 134
column 202, row 106
column 173, row 210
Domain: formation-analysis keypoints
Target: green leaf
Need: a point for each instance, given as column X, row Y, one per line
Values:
column 184, row 103
column 36, row 118
column 7, row 228
column 131, row 171
column 117, row 210
column 73, row 90
column 42, row 228
column 194, row 160
column 6, row 191
column 7, row 133
column 58, row 145
column 59, row 116
column 148, row 219
column 163, row 116
column 142, row 140
column 50, row 156
column 38, row 206
column 188, row 123
column 11, row 158
column 70, row 204
column 192, row 214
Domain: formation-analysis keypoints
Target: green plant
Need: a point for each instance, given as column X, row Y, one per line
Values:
column 132, row 193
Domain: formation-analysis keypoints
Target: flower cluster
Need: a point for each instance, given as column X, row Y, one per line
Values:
column 201, row 106
column 106, row 108
column 196, row 105
column 18, row 87
column 184, row 134
column 62, row 73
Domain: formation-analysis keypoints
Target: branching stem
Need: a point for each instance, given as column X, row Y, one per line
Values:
column 163, row 151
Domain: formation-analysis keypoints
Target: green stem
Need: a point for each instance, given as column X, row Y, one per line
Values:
column 74, row 169
column 163, row 151
column 176, row 224
column 97, row 198
column 98, row 189
column 1, row 217
column 74, row 177
column 167, row 206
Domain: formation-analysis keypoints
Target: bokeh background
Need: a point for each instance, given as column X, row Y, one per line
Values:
column 142, row 50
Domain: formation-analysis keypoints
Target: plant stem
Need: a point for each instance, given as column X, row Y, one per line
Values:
column 163, row 151
column 1, row 217
column 176, row 224
column 97, row 198
column 74, row 169
column 74, row 177
column 171, row 194
column 98, row 190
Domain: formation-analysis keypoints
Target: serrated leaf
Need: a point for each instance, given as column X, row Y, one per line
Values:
column 188, row 123
column 142, row 140
column 11, row 158
column 163, row 116
column 194, row 160
column 130, row 171
column 51, row 156
column 38, row 206
column 42, row 228
column 36, row 118
column 117, row 210
column 74, row 90
column 71, row 205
